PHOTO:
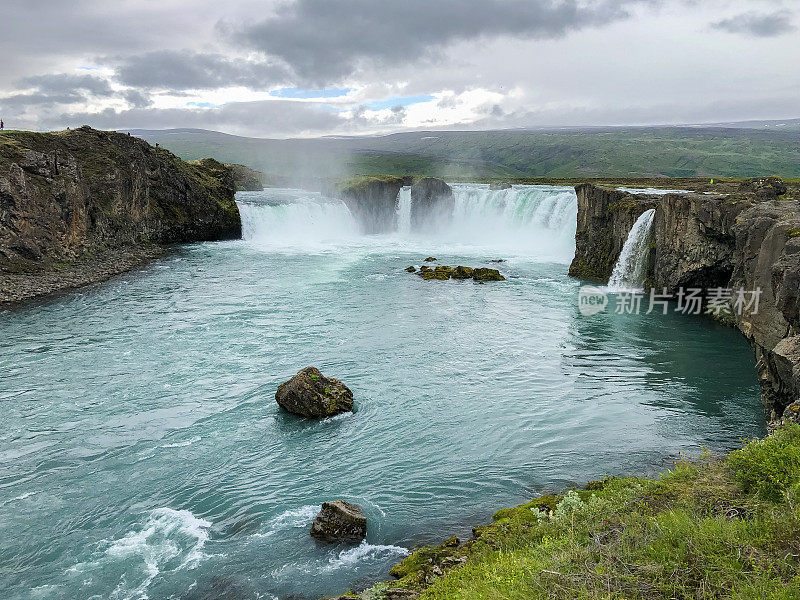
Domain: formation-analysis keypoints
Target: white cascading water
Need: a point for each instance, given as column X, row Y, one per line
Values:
column 629, row 272
column 404, row 210
column 293, row 218
column 535, row 221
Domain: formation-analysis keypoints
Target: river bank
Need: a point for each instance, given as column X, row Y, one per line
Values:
column 65, row 276
column 717, row 527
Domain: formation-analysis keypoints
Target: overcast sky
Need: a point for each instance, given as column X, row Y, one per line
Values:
column 320, row 67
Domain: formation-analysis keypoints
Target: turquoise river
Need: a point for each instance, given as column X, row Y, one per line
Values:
column 142, row 454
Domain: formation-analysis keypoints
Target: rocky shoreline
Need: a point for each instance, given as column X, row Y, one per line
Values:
column 22, row 287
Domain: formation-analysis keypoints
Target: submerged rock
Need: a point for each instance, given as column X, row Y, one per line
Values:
column 430, row 259
column 484, row 274
column 340, row 521
column 500, row 186
column 311, row 394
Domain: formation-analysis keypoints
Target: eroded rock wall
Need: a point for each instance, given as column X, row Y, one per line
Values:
column 747, row 240
column 68, row 194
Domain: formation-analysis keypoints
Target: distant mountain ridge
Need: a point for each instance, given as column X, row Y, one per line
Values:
column 743, row 149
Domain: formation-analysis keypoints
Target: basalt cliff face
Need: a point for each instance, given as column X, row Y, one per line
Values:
column 72, row 195
column 246, row 179
column 746, row 239
column 372, row 201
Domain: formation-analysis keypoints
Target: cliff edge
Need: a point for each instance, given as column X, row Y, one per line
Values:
column 747, row 238
column 84, row 197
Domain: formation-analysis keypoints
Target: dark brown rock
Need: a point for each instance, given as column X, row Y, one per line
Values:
column 484, row 274
column 739, row 241
column 340, row 522
column 372, row 201
column 462, row 272
column 411, row 269
column 311, row 394
column 764, row 188
column 74, row 194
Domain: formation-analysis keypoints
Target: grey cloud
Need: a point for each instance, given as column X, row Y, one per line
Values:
column 324, row 41
column 758, row 24
column 184, row 69
column 266, row 118
column 64, row 82
column 53, row 89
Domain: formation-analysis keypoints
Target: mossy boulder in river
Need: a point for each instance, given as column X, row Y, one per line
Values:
column 338, row 522
column 311, row 394
column 443, row 273
column 484, row 274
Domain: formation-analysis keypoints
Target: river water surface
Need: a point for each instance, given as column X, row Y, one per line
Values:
column 142, row 454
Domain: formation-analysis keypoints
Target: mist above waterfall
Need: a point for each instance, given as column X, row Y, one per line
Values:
column 535, row 222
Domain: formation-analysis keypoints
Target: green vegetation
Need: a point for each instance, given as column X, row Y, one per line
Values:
column 713, row 528
column 654, row 152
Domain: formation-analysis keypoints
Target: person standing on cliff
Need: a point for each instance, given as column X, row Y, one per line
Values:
column 2, row 125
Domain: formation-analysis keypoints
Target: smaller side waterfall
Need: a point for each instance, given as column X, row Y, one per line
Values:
column 629, row 272
column 404, row 210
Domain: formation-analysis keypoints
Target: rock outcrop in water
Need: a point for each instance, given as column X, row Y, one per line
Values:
column 340, row 522
column 311, row 394
column 443, row 273
column 246, row 179
column 79, row 195
column 747, row 239
column 432, row 203
column 372, row 201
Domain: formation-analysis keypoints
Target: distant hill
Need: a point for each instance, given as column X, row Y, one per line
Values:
column 743, row 149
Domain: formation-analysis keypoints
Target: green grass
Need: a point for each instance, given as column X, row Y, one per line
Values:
column 654, row 152
column 711, row 529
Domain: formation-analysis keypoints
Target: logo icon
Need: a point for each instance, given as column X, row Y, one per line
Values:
column 591, row 300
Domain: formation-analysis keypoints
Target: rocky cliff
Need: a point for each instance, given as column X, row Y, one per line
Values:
column 372, row 201
column 246, row 179
column 72, row 195
column 748, row 238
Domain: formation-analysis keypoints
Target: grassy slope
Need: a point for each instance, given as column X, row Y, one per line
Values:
column 715, row 528
column 610, row 152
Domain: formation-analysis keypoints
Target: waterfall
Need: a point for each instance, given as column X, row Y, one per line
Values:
column 532, row 221
column 294, row 218
column 404, row 210
column 629, row 272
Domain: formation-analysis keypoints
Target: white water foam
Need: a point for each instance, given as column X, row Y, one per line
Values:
column 169, row 540
column 629, row 272
column 183, row 444
column 296, row 517
column 364, row 552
